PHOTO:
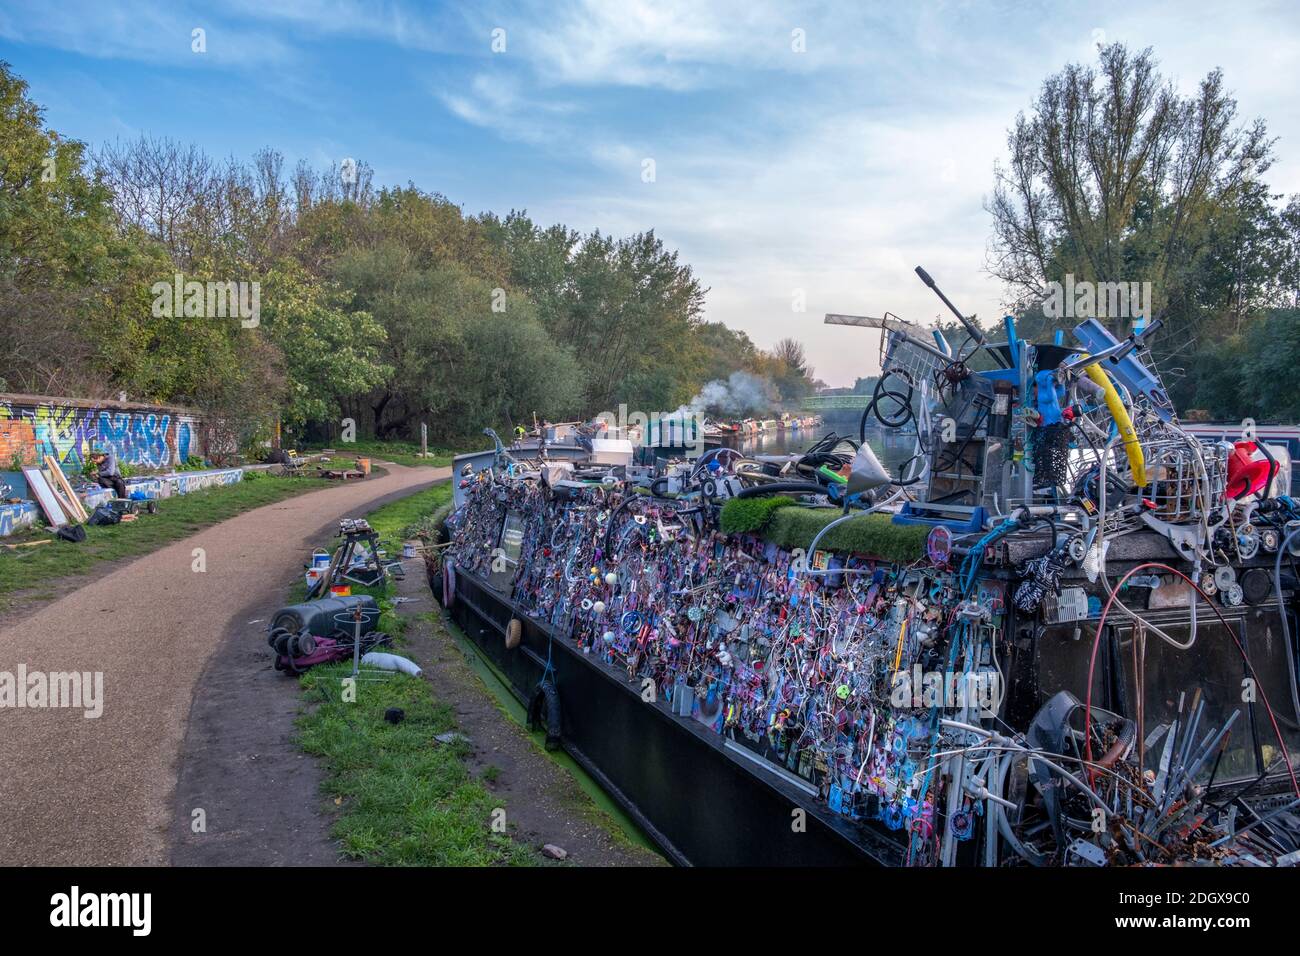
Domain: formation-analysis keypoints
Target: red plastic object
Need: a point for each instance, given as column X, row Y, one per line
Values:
column 1245, row 475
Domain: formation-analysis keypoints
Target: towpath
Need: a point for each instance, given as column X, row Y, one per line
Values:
column 79, row 791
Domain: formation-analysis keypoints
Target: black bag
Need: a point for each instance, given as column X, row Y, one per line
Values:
column 104, row 514
column 71, row 532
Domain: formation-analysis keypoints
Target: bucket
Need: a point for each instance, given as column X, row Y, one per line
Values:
column 408, row 549
column 320, row 559
column 341, row 590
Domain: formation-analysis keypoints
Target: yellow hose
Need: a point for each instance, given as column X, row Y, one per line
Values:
column 1136, row 462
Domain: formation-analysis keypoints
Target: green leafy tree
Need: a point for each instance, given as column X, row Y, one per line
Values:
column 330, row 352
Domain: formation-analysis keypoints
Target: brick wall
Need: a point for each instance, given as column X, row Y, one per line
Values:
column 33, row 426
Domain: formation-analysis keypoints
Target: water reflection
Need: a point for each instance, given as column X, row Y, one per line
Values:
column 891, row 447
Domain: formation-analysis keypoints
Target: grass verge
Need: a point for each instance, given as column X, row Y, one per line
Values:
column 401, row 452
column 392, row 520
column 34, row 572
column 404, row 798
column 596, row 806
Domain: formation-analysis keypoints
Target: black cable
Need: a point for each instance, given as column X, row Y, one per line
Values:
column 879, row 392
column 785, row 487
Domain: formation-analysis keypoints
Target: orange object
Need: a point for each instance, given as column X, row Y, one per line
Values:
column 341, row 590
column 363, row 466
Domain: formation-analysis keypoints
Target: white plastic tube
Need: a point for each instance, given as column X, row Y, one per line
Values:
column 391, row 662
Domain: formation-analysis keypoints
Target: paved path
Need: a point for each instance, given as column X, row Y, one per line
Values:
column 77, row 791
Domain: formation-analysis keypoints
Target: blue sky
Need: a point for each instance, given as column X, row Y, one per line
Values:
column 831, row 171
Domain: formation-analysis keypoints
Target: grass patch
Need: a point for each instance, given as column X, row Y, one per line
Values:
column 34, row 569
column 404, row 798
column 407, row 800
column 594, row 804
column 393, row 520
column 402, row 452
column 871, row 535
column 749, row 515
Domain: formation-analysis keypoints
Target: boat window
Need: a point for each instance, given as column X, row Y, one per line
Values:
column 1274, row 666
column 1215, row 666
column 1062, row 664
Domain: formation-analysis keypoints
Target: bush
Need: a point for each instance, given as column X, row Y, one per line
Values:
column 428, row 527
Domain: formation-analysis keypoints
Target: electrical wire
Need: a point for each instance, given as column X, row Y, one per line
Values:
column 1096, row 643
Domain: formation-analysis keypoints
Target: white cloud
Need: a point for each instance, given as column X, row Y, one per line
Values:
column 146, row 32
column 844, row 186
column 411, row 26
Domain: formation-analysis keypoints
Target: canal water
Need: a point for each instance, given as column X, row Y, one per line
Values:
column 891, row 448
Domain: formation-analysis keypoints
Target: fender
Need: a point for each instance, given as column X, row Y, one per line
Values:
column 548, row 697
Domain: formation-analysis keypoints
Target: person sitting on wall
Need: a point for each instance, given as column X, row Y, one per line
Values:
column 107, row 474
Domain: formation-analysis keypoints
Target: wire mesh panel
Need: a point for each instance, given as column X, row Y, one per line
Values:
column 1188, row 478
column 916, row 360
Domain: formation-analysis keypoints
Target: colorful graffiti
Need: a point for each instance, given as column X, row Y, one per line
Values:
column 69, row 429
column 26, row 514
column 190, row 481
column 15, row 517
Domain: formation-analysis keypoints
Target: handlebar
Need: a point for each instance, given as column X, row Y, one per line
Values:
column 972, row 329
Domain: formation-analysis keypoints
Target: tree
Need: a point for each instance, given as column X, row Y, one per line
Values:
column 1114, row 177
column 390, row 306
column 330, row 352
column 66, row 277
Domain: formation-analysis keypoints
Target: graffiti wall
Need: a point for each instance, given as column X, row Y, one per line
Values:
column 33, row 427
column 14, row 517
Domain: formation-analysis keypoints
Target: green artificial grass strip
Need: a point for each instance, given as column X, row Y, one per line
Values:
column 871, row 535
column 750, row 515
column 787, row 525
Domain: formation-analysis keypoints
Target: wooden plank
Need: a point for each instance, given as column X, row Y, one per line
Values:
column 65, row 504
column 66, row 495
column 28, row 544
column 61, row 481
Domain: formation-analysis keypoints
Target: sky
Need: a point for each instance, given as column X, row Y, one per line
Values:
column 803, row 154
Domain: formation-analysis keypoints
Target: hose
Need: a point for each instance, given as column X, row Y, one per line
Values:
column 784, row 487
column 873, row 406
